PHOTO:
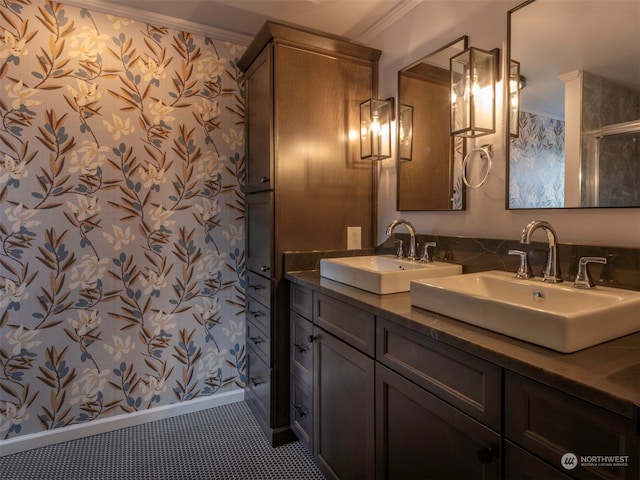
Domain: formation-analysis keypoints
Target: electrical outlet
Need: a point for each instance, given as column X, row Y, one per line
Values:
column 354, row 238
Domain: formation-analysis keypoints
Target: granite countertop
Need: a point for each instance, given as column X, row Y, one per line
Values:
column 607, row 375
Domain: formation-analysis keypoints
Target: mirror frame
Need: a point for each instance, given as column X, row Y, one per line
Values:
column 453, row 140
column 508, row 136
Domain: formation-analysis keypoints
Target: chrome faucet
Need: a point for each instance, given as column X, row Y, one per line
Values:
column 426, row 258
column 412, row 233
column 583, row 279
column 552, row 270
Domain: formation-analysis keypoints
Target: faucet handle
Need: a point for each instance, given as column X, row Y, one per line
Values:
column 426, row 258
column 399, row 248
column 583, row 279
column 524, row 271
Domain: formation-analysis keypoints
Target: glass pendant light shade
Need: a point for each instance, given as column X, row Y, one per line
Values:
column 375, row 129
column 405, row 132
column 473, row 84
column 516, row 83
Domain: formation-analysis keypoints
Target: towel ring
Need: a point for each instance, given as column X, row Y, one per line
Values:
column 486, row 149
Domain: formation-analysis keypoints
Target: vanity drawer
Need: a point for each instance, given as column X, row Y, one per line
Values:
column 302, row 301
column 259, row 288
column 301, row 348
column 550, row 423
column 469, row 383
column 258, row 387
column 260, row 341
column 302, row 411
column 352, row 325
column 259, row 315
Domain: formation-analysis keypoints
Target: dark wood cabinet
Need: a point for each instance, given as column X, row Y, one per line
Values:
column 257, row 392
column 259, row 123
column 302, row 348
column 550, row 423
column 433, row 410
column 438, row 409
column 259, row 215
column 343, row 389
column 305, row 181
column 302, row 352
column 352, row 325
column 344, row 443
column 419, row 436
column 259, row 315
column 521, row 465
column 332, row 383
column 302, row 414
column 467, row 382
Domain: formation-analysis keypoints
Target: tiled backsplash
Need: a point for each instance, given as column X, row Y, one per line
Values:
column 478, row 254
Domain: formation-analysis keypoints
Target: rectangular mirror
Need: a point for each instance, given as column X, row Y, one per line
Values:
column 429, row 158
column 576, row 140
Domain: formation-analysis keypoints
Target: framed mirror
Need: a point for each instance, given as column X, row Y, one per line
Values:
column 574, row 110
column 429, row 159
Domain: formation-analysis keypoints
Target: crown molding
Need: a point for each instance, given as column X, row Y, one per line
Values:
column 389, row 18
column 125, row 11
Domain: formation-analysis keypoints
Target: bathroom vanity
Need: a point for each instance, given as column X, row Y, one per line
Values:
column 383, row 389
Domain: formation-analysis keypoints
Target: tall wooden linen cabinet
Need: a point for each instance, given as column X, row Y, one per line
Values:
column 305, row 184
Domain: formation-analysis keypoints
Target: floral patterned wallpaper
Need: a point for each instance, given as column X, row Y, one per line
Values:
column 121, row 216
column 536, row 163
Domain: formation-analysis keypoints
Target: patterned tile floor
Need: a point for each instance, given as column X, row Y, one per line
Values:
column 219, row 443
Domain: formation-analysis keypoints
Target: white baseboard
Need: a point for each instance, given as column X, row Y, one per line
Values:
column 49, row 437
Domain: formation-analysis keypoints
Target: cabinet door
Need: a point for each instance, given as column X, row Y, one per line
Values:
column 343, row 409
column 259, row 232
column 521, row 465
column 420, row 436
column 551, row 423
column 322, row 182
column 259, row 123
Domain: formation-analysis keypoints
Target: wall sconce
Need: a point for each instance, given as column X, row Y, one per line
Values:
column 405, row 132
column 375, row 128
column 516, row 83
column 473, row 83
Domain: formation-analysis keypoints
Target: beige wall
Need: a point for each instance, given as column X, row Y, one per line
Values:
column 429, row 26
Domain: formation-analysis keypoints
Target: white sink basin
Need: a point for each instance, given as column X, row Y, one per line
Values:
column 556, row 316
column 382, row 274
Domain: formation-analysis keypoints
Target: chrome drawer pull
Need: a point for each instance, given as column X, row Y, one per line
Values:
column 257, row 340
column 301, row 348
column 264, row 268
column 256, row 314
column 256, row 381
column 300, row 410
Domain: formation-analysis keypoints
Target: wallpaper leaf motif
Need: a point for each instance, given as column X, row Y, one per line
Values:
column 536, row 164
column 121, row 216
